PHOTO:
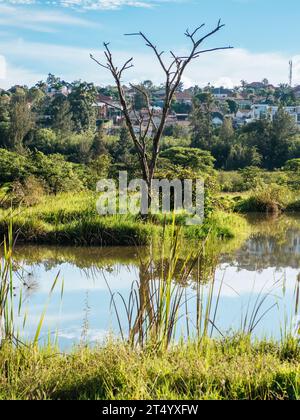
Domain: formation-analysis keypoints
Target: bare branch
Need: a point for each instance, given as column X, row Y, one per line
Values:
column 174, row 72
column 191, row 36
column 98, row 62
column 153, row 47
column 126, row 66
column 148, row 105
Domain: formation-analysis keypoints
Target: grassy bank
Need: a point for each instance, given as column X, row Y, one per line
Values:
column 228, row 369
column 150, row 362
column 70, row 219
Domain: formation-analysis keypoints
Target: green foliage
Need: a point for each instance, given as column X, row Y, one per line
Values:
column 21, row 121
column 82, row 99
column 195, row 159
column 98, row 147
column 57, row 174
column 177, row 131
column 139, row 99
column 229, row 369
column 269, row 198
column 13, row 166
column 241, row 156
column 233, row 106
column 168, row 142
column 45, row 140
column 292, row 165
column 272, row 139
column 181, row 108
column 252, row 177
column 29, row 192
column 124, row 155
column 201, row 121
column 230, row 181
column 60, row 113
column 4, row 120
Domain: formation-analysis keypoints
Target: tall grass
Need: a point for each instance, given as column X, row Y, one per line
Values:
column 6, row 289
column 159, row 303
column 11, row 302
column 230, row 368
column 178, row 297
column 73, row 220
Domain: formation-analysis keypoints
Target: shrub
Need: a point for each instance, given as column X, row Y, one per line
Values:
column 271, row 198
column 58, row 174
column 13, row 166
column 231, row 181
column 29, row 192
column 292, row 165
column 195, row 159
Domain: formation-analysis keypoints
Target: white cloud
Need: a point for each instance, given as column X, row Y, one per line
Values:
column 91, row 4
column 2, row 67
column 37, row 20
column 225, row 67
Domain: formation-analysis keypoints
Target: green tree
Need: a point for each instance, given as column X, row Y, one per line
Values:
column 4, row 120
column 82, row 100
column 58, row 174
column 21, row 121
column 292, row 165
column 98, row 146
column 59, row 115
column 123, row 148
column 44, row 140
column 241, row 156
column 227, row 132
column 201, row 121
column 139, row 100
column 13, row 166
column 186, row 157
column 62, row 116
column 233, row 106
column 284, row 129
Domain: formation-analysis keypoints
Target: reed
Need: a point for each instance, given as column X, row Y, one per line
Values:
column 6, row 289
column 11, row 295
column 159, row 303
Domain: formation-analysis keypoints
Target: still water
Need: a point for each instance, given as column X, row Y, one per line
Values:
column 261, row 272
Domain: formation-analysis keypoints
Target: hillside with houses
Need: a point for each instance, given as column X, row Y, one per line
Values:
column 243, row 104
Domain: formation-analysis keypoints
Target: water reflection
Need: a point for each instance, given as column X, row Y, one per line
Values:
column 265, row 266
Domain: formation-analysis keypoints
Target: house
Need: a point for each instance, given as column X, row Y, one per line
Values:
column 182, row 117
column 53, row 91
column 255, row 85
column 107, row 108
column 159, row 95
column 184, row 97
column 243, row 103
column 217, row 119
column 221, row 93
column 242, row 117
column 267, row 111
column 260, row 85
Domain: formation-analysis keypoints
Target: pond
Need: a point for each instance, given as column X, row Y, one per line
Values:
column 256, row 286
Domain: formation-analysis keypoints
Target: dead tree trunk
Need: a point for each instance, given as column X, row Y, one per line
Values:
column 147, row 139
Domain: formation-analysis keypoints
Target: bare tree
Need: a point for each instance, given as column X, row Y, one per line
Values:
column 147, row 138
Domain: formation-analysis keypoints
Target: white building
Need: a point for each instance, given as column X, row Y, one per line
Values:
column 259, row 111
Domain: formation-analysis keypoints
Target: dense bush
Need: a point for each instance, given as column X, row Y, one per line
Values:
column 57, row 174
column 53, row 171
column 13, row 166
column 269, row 198
column 292, row 165
column 194, row 159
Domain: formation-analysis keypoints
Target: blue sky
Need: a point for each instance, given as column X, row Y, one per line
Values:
column 37, row 37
